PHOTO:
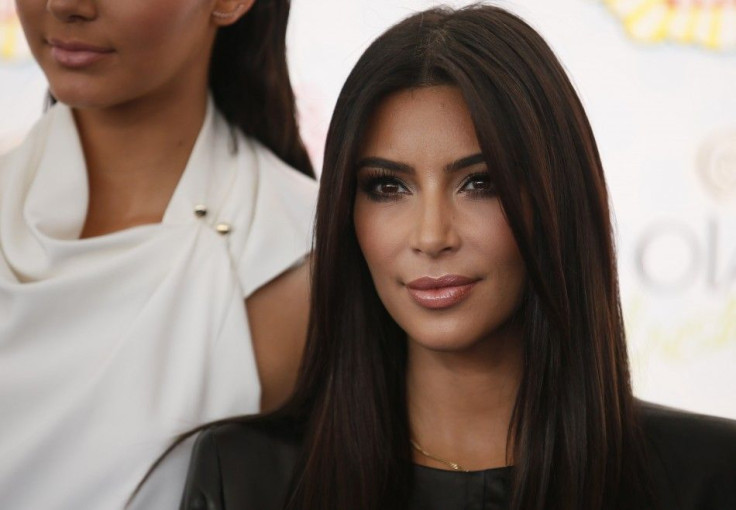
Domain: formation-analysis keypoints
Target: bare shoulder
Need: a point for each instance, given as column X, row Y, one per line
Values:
column 278, row 314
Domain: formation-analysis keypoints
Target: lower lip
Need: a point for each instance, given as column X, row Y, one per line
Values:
column 77, row 58
column 444, row 297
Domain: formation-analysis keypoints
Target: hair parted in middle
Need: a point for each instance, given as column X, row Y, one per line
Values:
column 575, row 428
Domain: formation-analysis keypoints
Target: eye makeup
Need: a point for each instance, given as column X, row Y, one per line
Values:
column 381, row 185
column 479, row 185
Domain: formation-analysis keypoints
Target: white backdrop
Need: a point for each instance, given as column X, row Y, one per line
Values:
column 657, row 78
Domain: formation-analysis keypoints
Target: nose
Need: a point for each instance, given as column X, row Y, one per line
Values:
column 434, row 231
column 72, row 10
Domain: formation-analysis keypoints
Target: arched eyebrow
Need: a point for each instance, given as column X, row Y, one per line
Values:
column 475, row 159
column 395, row 166
column 385, row 164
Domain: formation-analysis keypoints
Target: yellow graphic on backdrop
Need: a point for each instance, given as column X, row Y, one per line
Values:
column 13, row 45
column 707, row 23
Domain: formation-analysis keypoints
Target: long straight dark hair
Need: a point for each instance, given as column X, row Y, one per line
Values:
column 250, row 83
column 575, row 427
column 575, row 431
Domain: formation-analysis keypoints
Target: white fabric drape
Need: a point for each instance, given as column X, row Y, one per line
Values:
column 110, row 346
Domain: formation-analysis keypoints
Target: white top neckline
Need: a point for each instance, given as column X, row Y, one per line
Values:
column 110, row 346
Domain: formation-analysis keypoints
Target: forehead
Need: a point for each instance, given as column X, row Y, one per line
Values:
column 427, row 124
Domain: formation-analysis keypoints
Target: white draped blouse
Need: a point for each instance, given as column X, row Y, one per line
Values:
column 111, row 346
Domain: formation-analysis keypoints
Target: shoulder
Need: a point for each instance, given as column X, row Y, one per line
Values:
column 694, row 439
column 242, row 464
column 693, row 455
column 269, row 162
column 276, row 183
column 273, row 208
column 282, row 190
column 274, row 441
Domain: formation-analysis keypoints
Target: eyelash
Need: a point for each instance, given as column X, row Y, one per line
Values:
column 370, row 184
column 378, row 177
column 480, row 193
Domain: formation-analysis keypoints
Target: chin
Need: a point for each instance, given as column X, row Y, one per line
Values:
column 79, row 91
column 76, row 97
column 463, row 336
column 444, row 340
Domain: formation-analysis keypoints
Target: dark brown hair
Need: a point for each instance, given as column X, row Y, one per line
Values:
column 250, row 82
column 574, row 428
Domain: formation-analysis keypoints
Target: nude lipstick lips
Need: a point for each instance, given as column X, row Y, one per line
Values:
column 76, row 55
column 442, row 292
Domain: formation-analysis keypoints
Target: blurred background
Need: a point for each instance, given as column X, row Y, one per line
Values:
column 658, row 80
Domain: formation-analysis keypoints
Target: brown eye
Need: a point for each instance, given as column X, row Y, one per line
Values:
column 478, row 183
column 388, row 187
column 383, row 187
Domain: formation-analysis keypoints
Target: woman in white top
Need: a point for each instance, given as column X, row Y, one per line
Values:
column 151, row 233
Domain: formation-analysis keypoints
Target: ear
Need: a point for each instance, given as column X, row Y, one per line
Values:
column 227, row 12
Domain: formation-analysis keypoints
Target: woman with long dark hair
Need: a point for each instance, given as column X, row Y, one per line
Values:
column 153, row 228
column 466, row 346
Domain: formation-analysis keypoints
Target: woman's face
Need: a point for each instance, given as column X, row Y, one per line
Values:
column 98, row 53
column 430, row 225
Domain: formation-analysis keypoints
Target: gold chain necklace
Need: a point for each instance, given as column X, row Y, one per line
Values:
column 453, row 465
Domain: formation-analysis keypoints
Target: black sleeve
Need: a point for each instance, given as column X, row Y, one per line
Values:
column 203, row 489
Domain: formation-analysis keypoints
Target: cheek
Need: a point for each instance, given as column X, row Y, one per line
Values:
column 502, row 248
column 31, row 15
column 156, row 31
column 485, row 227
column 489, row 236
column 380, row 232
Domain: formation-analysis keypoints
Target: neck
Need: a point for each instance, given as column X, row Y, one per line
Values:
column 135, row 154
column 460, row 403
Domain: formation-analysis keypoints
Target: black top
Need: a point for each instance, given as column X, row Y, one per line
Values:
column 242, row 466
